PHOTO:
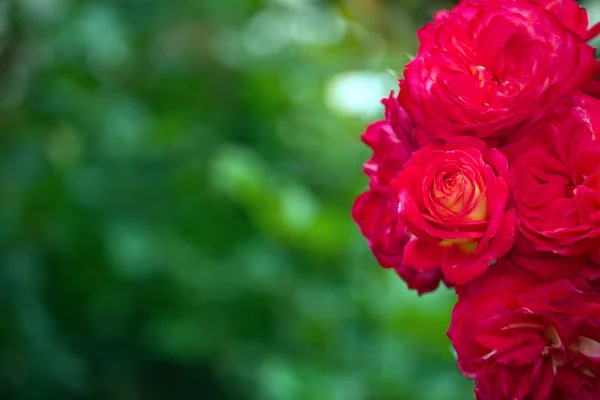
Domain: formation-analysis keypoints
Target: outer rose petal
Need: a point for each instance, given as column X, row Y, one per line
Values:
column 391, row 141
column 422, row 256
column 422, row 282
column 363, row 212
column 460, row 268
column 385, row 233
column 546, row 265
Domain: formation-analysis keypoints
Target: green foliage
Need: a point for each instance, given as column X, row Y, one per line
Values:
column 176, row 182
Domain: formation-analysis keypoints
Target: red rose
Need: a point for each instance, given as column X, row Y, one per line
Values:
column 521, row 338
column 569, row 12
column 558, row 188
column 453, row 198
column 486, row 71
column 375, row 211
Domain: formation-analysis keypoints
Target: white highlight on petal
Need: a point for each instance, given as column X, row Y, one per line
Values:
column 588, row 347
column 488, row 355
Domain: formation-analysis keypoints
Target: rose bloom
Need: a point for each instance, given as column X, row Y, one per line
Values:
column 487, row 71
column 453, row 197
column 570, row 13
column 375, row 211
column 522, row 338
column 558, row 187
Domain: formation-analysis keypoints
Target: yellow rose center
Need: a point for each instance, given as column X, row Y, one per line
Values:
column 457, row 196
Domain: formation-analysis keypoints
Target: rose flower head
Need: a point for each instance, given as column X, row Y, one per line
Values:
column 558, row 187
column 375, row 211
column 490, row 71
column 453, row 198
column 522, row 338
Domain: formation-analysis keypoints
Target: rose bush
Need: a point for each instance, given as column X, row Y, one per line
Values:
column 492, row 72
column 558, row 190
column 521, row 338
column 453, row 198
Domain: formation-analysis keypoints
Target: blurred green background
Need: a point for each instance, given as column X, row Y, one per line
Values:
column 176, row 181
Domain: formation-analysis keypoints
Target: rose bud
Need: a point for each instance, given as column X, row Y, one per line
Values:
column 453, row 197
column 557, row 190
column 375, row 211
column 491, row 72
column 522, row 338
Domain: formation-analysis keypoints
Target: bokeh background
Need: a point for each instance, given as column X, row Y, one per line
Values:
column 176, row 179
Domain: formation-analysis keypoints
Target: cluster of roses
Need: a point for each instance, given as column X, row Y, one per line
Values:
column 485, row 175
